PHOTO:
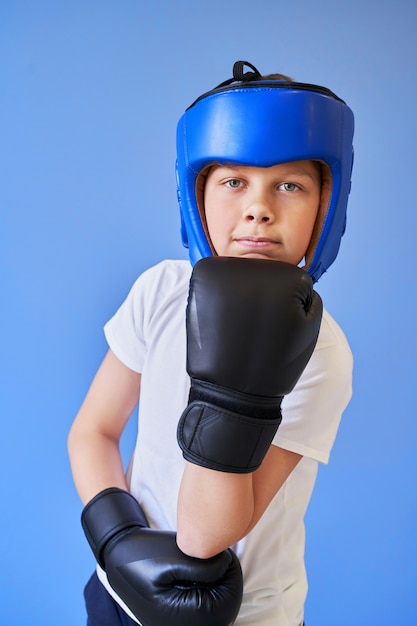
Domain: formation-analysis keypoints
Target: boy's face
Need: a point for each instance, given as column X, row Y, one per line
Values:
column 261, row 212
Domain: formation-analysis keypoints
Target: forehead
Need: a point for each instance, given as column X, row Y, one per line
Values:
column 293, row 168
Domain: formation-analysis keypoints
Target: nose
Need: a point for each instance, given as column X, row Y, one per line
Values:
column 259, row 210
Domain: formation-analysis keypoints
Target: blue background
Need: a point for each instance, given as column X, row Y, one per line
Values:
column 91, row 91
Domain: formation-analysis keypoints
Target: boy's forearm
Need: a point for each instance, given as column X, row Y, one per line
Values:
column 217, row 509
column 214, row 510
column 93, row 441
column 96, row 464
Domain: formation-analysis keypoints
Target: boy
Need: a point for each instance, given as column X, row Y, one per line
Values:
column 264, row 174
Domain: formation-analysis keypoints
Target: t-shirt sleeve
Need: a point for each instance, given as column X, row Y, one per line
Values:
column 138, row 323
column 311, row 413
column 124, row 331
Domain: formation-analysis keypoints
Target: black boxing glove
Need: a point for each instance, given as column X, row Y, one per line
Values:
column 252, row 325
column 157, row 582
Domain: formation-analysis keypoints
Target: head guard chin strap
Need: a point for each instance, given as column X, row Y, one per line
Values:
column 256, row 121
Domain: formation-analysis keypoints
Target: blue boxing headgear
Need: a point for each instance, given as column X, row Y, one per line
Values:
column 255, row 121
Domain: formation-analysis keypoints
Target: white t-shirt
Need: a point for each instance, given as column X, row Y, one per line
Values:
column 148, row 335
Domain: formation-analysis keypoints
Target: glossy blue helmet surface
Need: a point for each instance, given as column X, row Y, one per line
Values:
column 262, row 122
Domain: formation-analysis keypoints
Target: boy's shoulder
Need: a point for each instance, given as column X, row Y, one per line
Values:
column 168, row 276
column 331, row 333
column 167, row 270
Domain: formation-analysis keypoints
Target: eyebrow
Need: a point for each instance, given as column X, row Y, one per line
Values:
column 295, row 171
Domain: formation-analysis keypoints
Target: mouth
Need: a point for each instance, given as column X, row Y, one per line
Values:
column 256, row 242
column 259, row 247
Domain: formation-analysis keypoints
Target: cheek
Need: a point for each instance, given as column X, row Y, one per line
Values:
column 215, row 228
column 307, row 226
column 217, row 217
column 210, row 220
column 301, row 232
column 217, row 234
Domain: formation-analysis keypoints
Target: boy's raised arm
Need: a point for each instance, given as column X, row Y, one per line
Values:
column 252, row 325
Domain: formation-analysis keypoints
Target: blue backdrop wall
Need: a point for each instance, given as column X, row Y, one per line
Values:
column 91, row 91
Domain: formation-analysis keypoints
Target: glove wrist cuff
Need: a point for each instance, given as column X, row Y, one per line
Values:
column 223, row 440
column 110, row 512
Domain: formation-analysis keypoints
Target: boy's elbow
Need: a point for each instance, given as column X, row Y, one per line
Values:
column 75, row 438
column 198, row 547
column 71, row 440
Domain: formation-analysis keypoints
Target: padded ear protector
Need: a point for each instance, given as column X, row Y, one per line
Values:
column 256, row 121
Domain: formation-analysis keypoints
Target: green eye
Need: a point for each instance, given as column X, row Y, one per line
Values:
column 234, row 183
column 289, row 186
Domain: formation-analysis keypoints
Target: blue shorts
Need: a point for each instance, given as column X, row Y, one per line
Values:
column 102, row 610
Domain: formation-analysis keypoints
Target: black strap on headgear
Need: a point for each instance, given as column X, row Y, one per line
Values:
column 240, row 76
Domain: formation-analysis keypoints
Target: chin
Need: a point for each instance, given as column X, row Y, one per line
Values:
column 260, row 255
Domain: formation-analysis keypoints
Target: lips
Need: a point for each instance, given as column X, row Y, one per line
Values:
column 256, row 241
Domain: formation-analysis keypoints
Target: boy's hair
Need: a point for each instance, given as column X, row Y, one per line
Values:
column 262, row 121
column 283, row 77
